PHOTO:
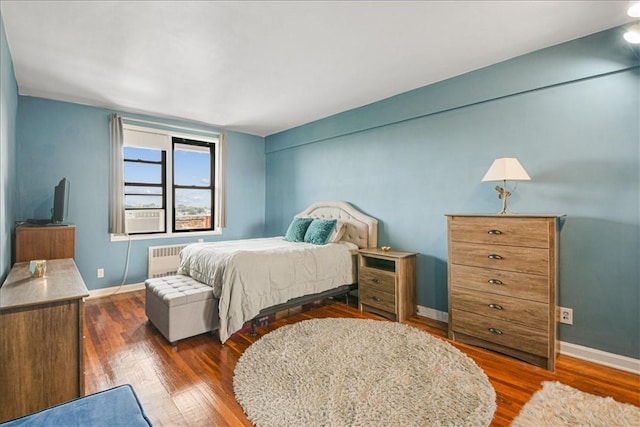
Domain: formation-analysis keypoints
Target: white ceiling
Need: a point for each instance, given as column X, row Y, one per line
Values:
column 263, row 67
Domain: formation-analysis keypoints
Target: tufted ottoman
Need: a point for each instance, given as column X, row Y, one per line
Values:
column 180, row 307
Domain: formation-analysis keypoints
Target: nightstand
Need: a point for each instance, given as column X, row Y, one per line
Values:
column 387, row 283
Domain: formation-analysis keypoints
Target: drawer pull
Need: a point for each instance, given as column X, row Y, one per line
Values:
column 494, row 256
column 494, row 232
column 495, row 282
column 376, row 280
column 495, row 331
column 496, row 306
column 376, row 299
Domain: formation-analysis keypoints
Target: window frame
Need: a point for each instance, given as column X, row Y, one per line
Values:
column 162, row 139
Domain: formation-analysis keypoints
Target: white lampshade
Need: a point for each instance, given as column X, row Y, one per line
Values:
column 506, row 169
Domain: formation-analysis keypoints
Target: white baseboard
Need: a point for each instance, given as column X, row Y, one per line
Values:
column 600, row 357
column 432, row 313
column 98, row 293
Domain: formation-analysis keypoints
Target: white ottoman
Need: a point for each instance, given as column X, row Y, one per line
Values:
column 180, row 307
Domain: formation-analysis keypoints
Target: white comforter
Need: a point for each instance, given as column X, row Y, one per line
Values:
column 249, row 275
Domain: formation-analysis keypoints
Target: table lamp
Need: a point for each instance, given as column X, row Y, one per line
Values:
column 505, row 169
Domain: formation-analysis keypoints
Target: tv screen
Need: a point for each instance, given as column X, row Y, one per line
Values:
column 60, row 202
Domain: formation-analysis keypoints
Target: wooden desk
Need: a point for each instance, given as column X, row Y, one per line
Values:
column 41, row 322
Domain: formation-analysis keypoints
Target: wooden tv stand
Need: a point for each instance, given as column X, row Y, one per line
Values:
column 44, row 242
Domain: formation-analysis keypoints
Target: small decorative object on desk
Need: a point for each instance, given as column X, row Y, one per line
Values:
column 38, row 267
column 386, row 248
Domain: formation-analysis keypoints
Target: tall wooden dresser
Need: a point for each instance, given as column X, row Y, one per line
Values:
column 503, row 281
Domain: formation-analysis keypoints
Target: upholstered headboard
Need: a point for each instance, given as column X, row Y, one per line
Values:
column 361, row 230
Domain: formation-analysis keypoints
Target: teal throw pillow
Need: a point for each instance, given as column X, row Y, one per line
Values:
column 319, row 231
column 297, row 229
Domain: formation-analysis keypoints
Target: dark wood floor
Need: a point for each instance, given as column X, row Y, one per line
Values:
column 192, row 384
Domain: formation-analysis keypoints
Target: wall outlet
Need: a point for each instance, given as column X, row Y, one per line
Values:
column 566, row 315
column 100, row 273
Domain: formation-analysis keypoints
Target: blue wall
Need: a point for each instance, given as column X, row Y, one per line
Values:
column 569, row 113
column 8, row 113
column 57, row 139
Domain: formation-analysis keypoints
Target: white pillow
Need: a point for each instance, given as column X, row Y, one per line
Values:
column 337, row 232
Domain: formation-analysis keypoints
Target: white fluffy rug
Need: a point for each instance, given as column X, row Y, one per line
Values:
column 558, row 404
column 348, row 372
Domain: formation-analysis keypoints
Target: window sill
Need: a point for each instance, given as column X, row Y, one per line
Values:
column 125, row 238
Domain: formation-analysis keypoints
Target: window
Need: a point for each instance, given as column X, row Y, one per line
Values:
column 144, row 189
column 193, row 172
column 171, row 182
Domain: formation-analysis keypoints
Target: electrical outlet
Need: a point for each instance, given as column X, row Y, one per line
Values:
column 566, row 315
column 100, row 273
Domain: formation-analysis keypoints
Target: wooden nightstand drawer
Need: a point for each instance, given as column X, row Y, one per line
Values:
column 501, row 332
column 377, row 279
column 531, row 313
column 380, row 300
column 500, row 257
column 520, row 285
column 500, row 231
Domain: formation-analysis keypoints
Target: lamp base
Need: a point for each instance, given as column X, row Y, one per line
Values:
column 503, row 194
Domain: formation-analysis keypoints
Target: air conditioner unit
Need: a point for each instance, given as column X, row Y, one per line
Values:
column 144, row 221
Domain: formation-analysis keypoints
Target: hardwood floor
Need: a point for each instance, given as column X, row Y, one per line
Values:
column 192, row 384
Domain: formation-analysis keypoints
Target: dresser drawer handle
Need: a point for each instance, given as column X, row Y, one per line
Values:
column 376, row 299
column 494, row 282
column 495, row 331
column 496, row 306
column 494, row 256
column 494, row 232
column 376, row 280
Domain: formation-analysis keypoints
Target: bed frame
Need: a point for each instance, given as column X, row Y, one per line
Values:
column 361, row 230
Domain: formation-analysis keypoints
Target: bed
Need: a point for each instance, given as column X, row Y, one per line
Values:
column 252, row 277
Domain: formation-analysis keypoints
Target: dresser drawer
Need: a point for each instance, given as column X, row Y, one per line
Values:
column 500, row 257
column 530, row 313
column 500, row 231
column 501, row 332
column 520, row 285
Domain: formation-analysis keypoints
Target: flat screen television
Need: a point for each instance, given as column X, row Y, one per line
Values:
column 60, row 202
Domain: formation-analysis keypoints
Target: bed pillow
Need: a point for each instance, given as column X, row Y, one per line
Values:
column 338, row 232
column 319, row 231
column 297, row 229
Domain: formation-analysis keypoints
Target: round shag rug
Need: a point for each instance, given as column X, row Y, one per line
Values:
column 342, row 372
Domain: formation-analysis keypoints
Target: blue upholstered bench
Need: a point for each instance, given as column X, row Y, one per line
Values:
column 118, row 406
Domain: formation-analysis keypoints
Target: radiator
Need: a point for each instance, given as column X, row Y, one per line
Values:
column 164, row 260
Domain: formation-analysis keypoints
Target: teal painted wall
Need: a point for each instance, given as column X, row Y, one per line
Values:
column 57, row 139
column 8, row 113
column 569, row 113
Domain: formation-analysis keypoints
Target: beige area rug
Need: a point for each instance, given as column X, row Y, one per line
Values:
column 357, row 372
column 558, row 404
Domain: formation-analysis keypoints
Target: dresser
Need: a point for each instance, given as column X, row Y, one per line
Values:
column 44, row 242
column 41, row 322
column 503, row 283
column 387, row 283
